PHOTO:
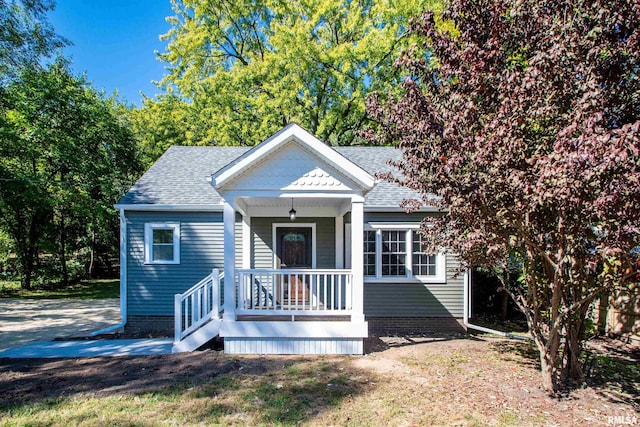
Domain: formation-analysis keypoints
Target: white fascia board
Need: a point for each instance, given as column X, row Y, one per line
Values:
column 386, row 225
column 286, row 194
column 177, row 208
column 313, row 144
column 396, row 209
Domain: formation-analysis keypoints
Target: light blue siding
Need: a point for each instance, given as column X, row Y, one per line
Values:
column 414, row 299
column 151, row 288
column 417, row 299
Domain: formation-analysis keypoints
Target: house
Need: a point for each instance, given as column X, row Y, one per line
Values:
column 290, row 247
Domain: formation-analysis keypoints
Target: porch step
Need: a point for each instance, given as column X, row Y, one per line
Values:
column 198, row 338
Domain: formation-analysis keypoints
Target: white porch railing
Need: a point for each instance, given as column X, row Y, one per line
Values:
column 197, row 305
column 320, row 292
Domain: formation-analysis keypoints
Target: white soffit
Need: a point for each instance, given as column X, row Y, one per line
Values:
column 292, row 159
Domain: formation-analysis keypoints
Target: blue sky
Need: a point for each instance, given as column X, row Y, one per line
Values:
column 114, row 42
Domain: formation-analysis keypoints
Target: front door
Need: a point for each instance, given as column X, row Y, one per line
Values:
column 293, row 247
column 294, row 251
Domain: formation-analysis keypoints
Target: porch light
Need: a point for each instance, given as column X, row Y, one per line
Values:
column 292, row 212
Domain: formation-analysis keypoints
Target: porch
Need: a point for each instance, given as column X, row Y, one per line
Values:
column 293, row 231
column 292, row 292
column 276, row 311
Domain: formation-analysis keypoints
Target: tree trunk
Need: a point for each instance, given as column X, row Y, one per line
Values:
column 603, row 309
column 27, row 273
column 29, row 254
column 505, row 305
column 63, row 250
column 547, row 370
column 92, row 249
column 572, row 369
column 548, row 347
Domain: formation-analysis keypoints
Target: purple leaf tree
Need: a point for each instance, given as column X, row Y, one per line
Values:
column 520, row 120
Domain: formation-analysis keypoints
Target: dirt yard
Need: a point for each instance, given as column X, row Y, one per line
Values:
column 448, row 380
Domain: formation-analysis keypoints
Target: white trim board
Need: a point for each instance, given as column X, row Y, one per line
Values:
column 180, row 208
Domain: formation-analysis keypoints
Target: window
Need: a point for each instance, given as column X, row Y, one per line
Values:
column 394, row 252
column 162, row 243
column 369, row 253
column 423, row 264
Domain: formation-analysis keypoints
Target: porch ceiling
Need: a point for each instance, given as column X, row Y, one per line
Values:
column 305, row 206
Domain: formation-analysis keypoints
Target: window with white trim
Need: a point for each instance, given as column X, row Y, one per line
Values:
column 422, row 264
column 394, row 252
column 369, row 253
column 162, row 243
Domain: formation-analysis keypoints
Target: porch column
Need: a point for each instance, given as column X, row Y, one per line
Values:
column 339, row 241
column 229, row 261
column 357, row 238
column 246, row 241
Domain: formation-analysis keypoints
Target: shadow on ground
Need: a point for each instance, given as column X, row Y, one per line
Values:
column 610, row 367
column 379, row 344
column 282, row 389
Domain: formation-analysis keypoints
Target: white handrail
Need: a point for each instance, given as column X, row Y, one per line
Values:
column 197, row 305
column 294, row 291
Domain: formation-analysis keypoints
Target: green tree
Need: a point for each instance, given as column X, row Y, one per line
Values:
column 164, row 122
column 26, row 37
column 67, row 154
column 524, row 127
column 247, row 68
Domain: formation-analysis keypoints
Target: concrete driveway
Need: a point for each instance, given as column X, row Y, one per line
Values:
column 27, row 320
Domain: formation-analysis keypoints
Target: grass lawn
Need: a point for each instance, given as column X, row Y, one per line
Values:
column 446, row 381
column 86, row 289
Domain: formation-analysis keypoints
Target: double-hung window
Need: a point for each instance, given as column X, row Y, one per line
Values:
column 162, row 243
column 394, row 252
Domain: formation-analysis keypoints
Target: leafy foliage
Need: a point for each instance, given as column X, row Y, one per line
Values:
column 243, row 69
column 164, row 122
column 67, row 155
column 25, row 35
column 524, row 127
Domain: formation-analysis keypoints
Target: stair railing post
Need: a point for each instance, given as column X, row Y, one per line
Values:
column 215, row 294
column 177, row 320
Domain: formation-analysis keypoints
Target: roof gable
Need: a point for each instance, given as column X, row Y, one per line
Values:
column 181, row 178
column 292, row 159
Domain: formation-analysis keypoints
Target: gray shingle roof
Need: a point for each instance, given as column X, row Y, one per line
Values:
column 180, row 176
column 375, row 160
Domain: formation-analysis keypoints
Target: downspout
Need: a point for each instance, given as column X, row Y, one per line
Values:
column 123, row 278
column 467, row 309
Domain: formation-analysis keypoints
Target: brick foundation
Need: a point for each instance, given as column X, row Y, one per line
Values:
column 381, row 326
column 149, row 325
column 378, row 326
